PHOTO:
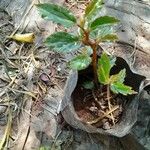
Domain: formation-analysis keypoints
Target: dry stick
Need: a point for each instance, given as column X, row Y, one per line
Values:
column 100, row 118
column 96, row 100
column 23, row 92
column 24, row 130
column 4, row 56
column 22, row 45
column 109, row 104
column 17, row 57
column 8, row 86
column 108, row 116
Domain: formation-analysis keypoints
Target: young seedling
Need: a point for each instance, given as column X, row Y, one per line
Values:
column 115, row 83
column 93, row 31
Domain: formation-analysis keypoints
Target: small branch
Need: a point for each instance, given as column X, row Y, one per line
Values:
column 109, row 104
column 98, row 103
column 105, row 115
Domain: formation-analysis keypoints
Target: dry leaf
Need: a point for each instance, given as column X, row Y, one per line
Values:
column 27, row 37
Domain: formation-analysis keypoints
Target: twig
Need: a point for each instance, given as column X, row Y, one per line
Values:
column 24, row 127
column 4, row 54
column 8, row 86
column 4, row 24
column 23, row 92
column 19, row 58
column 7, row 132
column 109, row 104
column 100, row 118
column 22, row 45
column 96, row 100
column 108, row 116
column 53, row 145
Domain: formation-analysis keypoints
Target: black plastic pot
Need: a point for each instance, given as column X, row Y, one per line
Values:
column 129, row 115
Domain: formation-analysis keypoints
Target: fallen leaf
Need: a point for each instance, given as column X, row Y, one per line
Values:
column 26, row 38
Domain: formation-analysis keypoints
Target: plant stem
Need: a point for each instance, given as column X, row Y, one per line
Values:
column 93, row 44
column 94, row 63
column 105, row 115
column 109, row 104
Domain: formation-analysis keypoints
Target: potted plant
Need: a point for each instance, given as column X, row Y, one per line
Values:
column 96, row 95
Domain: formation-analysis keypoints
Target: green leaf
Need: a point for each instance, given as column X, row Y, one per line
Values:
column 80, row 62
column 109, row 37
column 121, row 76
column 112, row 60
column 56, row 14
column 101, row 31
column 104, row 20
column 44, row 148
column 104, row 66
column 86, row 50
column 88, row 85
column 92, row 8
column 63, row 42
column 118, row 87
column 118, row 77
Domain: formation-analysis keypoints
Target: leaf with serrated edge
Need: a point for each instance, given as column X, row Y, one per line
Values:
column 104, row 20
column 104, row 66
column 101, row 31
column 92, row 7
column 118, row 77
column 109, row 37
column 121, row 88
column 63, row 42
column 80, row 62
column 56, row 14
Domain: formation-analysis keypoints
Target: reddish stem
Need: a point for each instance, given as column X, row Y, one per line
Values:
column 94, row 63
column 86, row 40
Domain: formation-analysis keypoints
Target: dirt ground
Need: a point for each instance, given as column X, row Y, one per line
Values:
column 32, row 80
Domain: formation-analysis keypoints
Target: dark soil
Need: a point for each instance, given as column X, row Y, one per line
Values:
column 93, row 104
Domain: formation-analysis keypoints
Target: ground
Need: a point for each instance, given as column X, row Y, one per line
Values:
column 32, row 81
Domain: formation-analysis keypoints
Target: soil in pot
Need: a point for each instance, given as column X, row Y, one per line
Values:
column 99, row 107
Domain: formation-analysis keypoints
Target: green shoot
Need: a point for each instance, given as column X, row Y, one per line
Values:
column 114, row 82
column 93, row 31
